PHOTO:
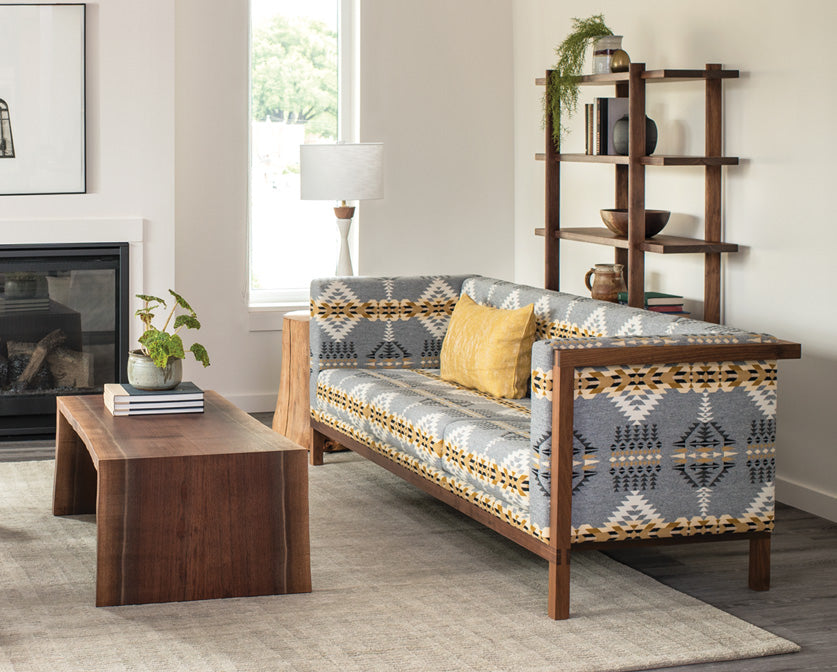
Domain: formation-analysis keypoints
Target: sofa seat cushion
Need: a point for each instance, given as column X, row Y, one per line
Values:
column 491, row 454
column 413, row 409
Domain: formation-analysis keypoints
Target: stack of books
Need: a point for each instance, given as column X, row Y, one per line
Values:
column 600, row 120
column 659, row 302
column 124, row 399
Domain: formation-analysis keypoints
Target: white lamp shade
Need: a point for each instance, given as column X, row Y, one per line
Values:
column 341, row 172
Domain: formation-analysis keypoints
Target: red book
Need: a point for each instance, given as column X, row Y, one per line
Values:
column 667, row 309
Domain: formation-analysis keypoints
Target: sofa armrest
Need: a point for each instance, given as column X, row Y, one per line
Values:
column 367, row 322
column 658, row 436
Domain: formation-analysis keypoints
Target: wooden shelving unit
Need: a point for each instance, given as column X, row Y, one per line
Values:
column 630, row 187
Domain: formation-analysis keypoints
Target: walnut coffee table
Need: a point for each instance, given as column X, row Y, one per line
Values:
column 188, row 506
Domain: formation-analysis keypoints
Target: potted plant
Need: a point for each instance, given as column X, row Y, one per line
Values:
column 562, row 86
column 157, row 365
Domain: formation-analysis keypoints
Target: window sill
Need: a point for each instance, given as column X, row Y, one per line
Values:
column 268, row 317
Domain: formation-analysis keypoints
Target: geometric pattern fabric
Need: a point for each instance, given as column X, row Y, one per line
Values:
column 677, row 449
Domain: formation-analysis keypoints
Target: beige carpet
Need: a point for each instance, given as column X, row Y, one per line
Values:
column 401, row 582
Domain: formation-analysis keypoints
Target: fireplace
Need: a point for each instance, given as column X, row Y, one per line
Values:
column 63, row 328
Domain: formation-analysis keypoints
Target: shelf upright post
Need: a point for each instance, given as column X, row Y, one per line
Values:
column 621, row 185
column 712, row 215
column 636, row 186
column 553, row 204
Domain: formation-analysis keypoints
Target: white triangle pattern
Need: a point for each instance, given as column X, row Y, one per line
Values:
column 765, row 398
column 436, row 325
column 597, row 322
column 633, row 327
column 338, row 327
column 762, row 505
column 637, row 405
column 512, row 301
column 634, row 510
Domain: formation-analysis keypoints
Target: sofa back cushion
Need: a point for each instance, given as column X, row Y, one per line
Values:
column 489, row 349
column 561, row 315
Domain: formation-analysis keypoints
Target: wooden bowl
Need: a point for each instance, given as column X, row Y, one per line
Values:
column 616, row 219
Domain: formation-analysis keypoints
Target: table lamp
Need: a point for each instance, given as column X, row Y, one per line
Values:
column 342, row 172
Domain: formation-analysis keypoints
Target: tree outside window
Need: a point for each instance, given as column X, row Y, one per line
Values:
column 294, row 100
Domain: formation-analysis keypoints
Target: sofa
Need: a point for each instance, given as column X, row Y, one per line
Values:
column 639, row 428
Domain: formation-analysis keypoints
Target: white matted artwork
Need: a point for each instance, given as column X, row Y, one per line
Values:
column 42, row 115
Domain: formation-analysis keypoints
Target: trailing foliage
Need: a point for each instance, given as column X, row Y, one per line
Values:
column 562, row 87
column 160, row 344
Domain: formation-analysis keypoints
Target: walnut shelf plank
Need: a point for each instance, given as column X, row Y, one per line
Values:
column 659, row 244
column 662, row 75
column 653, row 160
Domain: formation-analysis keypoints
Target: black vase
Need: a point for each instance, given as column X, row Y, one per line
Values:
column 621, row 132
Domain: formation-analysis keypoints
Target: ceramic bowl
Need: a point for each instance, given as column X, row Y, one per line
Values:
column 616, row 219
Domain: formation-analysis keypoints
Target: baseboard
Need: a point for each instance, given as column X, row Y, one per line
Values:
column 253, row 403
column 808, row 499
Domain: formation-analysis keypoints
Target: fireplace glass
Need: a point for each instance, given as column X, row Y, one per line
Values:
column 63, row 328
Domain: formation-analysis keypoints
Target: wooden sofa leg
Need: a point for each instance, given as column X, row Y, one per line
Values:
column 315, row 450
column 760, row 563
column 559, row 588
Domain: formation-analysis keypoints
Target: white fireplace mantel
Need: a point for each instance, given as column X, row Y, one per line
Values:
column 64, row 231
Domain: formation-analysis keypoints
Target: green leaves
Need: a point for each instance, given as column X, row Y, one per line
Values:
column 294, row 74
column 160, row 344
column 200, row 353
column 189, row 321
column 563, row 82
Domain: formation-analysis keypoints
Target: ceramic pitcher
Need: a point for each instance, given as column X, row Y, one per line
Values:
column 607, row 282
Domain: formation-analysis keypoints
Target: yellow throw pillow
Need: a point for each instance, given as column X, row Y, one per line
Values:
column 489, row 349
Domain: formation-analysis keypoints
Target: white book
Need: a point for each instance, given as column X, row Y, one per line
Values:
column 118, row 412
column 123, row 392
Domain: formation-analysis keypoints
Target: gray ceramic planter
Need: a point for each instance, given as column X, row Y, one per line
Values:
column 144, row 375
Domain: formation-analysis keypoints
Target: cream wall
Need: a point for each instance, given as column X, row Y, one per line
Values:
column 449, row 190
column 436, row 88
column 775, row 202
column 130, row 144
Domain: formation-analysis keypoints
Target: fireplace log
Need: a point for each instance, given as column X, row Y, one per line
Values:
column 46, row 345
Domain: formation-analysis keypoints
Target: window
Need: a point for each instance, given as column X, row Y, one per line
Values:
column 295, row 97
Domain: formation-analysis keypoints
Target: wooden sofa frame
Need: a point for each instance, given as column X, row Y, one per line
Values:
column 557, row 550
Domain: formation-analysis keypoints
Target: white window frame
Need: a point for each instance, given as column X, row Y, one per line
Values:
column 267, row 306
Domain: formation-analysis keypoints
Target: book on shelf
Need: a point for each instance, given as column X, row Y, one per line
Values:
column 674, row 308
column 608, row 112
column 589, row 128
column 657, row 300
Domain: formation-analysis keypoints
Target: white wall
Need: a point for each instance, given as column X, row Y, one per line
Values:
column 436, row 88
column 446, row 128
column 130, row 141
column 776, row 202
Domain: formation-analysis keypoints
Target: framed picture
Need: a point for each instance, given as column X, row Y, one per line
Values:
column 42, row 114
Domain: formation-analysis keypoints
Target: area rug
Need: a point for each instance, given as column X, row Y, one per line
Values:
column 401, row 582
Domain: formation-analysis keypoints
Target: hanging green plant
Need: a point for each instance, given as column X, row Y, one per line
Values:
column 562, row 87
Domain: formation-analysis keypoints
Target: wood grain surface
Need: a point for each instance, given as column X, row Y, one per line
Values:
column 188, row 506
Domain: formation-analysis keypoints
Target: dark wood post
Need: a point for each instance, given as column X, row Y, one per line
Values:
column 561, row 491
column 636, row 195
column 552, row 276
column 712, row 263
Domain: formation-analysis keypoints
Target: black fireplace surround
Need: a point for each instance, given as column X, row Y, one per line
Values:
column 63, row 329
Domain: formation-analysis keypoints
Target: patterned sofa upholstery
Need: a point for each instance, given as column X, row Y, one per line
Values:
column 654, row 448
